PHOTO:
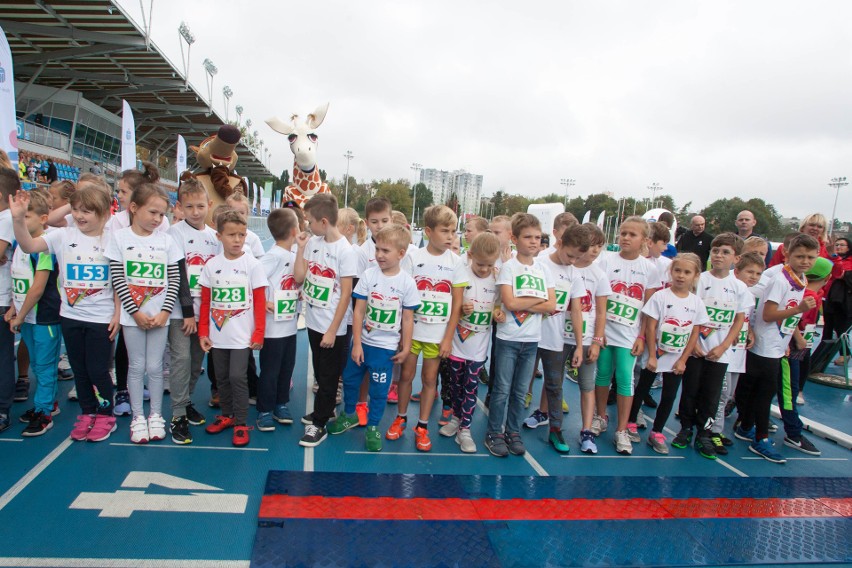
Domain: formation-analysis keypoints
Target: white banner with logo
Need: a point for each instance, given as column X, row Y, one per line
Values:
column 8, row 123
column 181, row 156
column 265, row 206
column 128, row 138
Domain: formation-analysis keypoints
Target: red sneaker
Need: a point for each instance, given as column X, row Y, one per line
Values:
column 393, row 395
column 362, row 410
column 421, row 439
column 221, row 423
column 446, row 416
column 396, row 429
column 241, row 436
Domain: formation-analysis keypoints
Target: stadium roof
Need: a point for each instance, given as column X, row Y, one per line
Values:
column 92, row 47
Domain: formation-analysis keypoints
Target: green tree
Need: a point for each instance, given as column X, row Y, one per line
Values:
column 424, row 199
column 285, row 178
column 453, row 202
column 398, row 193
column 516, row 204
column 722, row 214
column 499, row 200
column 323, row 175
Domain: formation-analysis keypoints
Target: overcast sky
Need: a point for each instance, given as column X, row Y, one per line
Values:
column 713, row 99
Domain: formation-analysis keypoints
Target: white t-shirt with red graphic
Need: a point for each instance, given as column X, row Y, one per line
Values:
column 737, row 359
column 121, row 220
column 772, row 338
column 725, row 298
column 567, row 286
column 386, row 297
column 473, row 332
column 197, row 247
column 629, row 280
column 145, row 260
column 327, row 264
column 278, row 265
column 434, row 278
column 676, row 318
column 526, row 281
column 595, row 284
column 232, row 284
column 84, row 282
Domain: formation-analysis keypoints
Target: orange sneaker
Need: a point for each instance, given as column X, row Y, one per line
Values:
column 362, row 410
column 241, row 436
column 221, row 423
column 421, row 439
column 396, row 429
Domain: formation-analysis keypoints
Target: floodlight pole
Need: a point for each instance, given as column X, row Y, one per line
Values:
column 567, row 183
column 416, row 167
column 348, row 155
column 836, row 183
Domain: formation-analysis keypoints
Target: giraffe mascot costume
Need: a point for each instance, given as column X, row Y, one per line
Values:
column 303, row 143
column 217, row 156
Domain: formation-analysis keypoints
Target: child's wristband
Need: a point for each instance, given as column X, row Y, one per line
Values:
column 598, row 340
column 642, row 337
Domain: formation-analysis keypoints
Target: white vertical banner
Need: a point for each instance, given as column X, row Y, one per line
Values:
column 255, row 200
column 181, row 156
column 8, row 123
column 601, row 218
column 128, row 138
column 265, row 206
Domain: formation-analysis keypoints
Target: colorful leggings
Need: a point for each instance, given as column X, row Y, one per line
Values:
column 464, row 380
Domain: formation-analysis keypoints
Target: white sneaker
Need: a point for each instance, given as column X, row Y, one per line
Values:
column 64, row 365
column 800, row 400
column 139, row 430
column 72, row 394
column 156, row 427
column 465, row 441
column 599, row 424
column 450, row 428
column 622, row 443
column 640, row 420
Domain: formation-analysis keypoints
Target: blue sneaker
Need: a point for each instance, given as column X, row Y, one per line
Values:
column 4, row 422
column 282, row 414
column 587, row 442
column 265, row 423
column 744, row 435
column 764, row 448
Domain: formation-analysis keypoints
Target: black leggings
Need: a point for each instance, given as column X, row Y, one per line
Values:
column 327, row 369
column 88, row 346
column 671, row 383
column 702, row 387
column 121, row 363
column 755, row 390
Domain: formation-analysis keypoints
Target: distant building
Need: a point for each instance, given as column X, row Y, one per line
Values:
column 466, row 186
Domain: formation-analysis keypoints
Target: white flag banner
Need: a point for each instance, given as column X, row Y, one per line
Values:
column 8, row 123
column 128, row 138
column 181, row 156
column 265, row 206
column 601, row 218
column 587, row 216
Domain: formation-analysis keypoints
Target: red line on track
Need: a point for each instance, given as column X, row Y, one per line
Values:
column 422, row 509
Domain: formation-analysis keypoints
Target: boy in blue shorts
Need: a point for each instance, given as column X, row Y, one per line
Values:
column 382, row 325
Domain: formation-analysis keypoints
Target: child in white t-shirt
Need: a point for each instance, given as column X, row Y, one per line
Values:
column 465, row 343
column 232, row 321
column 326, row 265
column 385, row 300
column 780, row 305
column 527, row 292
column 673, row 321
column 145, row 275
column 238, row 202
column 278, row 356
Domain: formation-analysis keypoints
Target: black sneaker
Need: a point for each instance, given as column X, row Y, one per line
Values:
column 483, row 376
column 649, row 402
column 704, row 445
column 719, row 445
column 495, row 443
column 193, row 416
column 179, row 428
column 683, row 439
column 314, row 435
column 308, row 419
column 39, row 424
column 22, row 389
column 802, row 444
column 727, row 442
column 4, row 422
column 729, row 407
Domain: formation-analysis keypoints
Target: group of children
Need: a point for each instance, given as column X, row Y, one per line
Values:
column 373, row 308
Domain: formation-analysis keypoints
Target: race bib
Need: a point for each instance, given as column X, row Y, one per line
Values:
column 673, row 338
column 434, row 307
column 720, row 313
column 809, row 335
column 383, row 314
column 230, row 294
column 20, row 287
column 568, row 330
column 479, row 320
column 623, row 309
column 317, row 290
column 285, row 304
column 193, row 273
column 149, row 272
column 742, row 338
column 789, row 325
column 90, row 276
column 529, row 285
column 563, row 296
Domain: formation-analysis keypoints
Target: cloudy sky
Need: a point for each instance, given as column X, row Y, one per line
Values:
column 712, row 99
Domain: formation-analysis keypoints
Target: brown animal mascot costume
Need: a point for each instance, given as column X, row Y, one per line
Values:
column 217, row 158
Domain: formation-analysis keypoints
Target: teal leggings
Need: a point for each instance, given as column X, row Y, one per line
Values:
column 623, row 361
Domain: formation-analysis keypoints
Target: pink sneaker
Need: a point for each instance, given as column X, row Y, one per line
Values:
column 81, row 428
column 103, row 426
column 393, row 395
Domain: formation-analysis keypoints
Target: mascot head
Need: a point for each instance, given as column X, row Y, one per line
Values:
column 302, row 136
column 219, row 150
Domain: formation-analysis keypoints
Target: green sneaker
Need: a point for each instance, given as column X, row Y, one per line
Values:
column 343, row 423
column 558, row 442
column 374, row 439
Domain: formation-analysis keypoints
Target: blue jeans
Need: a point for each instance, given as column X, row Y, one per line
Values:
column 513, row 367
column 43, row 343
column 7, row 364
column 377, row 362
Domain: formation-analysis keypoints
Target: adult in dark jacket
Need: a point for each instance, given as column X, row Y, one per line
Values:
column 697, row 240
column 52, row 175
column 837, row 306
